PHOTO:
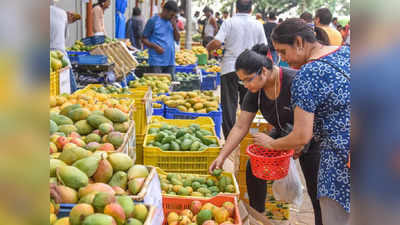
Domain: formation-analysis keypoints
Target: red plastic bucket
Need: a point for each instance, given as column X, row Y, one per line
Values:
column 269, row 164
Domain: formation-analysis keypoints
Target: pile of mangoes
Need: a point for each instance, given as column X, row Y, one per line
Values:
column 199, row 50
column 57, row 61
column 111, row 89
column 193, row 102
column 204, row 214
column 172, row 138
column 186, row 76
column 79, row 46
column 79, row 174
column 196, row 185
column 158, row 84
column 185, row 57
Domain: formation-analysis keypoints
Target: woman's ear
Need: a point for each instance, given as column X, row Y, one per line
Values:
column 299, row 43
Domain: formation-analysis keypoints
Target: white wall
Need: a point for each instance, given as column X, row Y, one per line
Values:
column 75, row 30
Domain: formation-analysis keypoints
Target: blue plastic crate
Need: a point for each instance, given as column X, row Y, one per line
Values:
column 65, row 209
column 173, row 113
column 87, row 41
column 186, row 69
column 73, row 55
column 209, row 81
column 160, row 111
column 92, row 59
column 98, row 39
column 218, row 78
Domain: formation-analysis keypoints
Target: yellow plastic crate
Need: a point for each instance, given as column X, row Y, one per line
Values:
column 139, row 149
column 234, row 182
column 183, row 123
column 196, row 162
column 54, row 83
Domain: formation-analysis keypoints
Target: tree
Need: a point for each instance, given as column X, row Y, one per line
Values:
column 337, row 7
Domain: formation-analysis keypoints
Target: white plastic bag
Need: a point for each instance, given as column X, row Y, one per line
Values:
column 289, row 189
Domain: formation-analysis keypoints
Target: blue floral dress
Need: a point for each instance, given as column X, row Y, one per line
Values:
column 321, row 87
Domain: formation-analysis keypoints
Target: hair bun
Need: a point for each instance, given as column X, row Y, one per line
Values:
column 261, row 49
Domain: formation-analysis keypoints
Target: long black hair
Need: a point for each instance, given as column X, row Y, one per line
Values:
column 288, row 30
column 99, row 2
column 252, row 61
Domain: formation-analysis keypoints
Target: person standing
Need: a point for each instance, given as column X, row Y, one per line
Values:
column 321, row 97
column 335, row 23
column 59, row 20
column 98, row 16
column 323, row 18
column 134, row 28
column 219, row 19
column 268, row 27
column 225, row 15
column 237, row 33
column 160, row 35
column 210, row 27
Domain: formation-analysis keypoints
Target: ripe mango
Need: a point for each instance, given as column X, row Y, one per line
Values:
column 127, row 204
column 104, row 171
column 67, row 194
column 102, row 199
column 79, row 212
column 119, row 179
column 72, row 177
column 99, row 219
column 140, row 212
column 120, row 161
column 88, row 165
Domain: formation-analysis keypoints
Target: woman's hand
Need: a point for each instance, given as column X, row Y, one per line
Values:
column 159, row 49
column 54, row 194
column 262, row 139
column 217, row 164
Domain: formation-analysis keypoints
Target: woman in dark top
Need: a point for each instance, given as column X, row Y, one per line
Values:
column 268, row 91
column 134, row 28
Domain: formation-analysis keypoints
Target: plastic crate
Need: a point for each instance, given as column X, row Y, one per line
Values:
column 73, row 55
column 92, row 59
column 185, row 69
column 54, row 83
column 173, row 113
column 218, row 78
column 177, row 204
column 139, row 149
column 209, row 82
column 204, row 127
column 87, row 41
column 196, row 162
column 234, row 182
column 159, row 111
column 98, row 39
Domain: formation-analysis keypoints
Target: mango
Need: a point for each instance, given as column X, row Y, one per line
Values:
column 88, row 165
column 78, row 114
column 108, row 147
column 104, row 171
column 116, row 138
column 65, row 111
column 95, row 188
column 79, row 212
column 116, row 211
column 62, row 221
column 54, row 163
column 133, row 221
column 95, row 120
column 172, row 217
column 53, row 218
column 105, row 128
column 203, row 216
column 88, row 199
column 67, row 194
column 121, row 127
column 83, row 127
column 92, row 146
column 115, row 115
column 67, row 129
column 140, row 212
column 120, row 161
column 119, row 190
column 60, row 119
column 135, row 185
column 73, row 154
column 99, row 219
column 53, row 127
column 127, row 204
column 102, row 199
column 72, row 177
column 119, row 179
column 138, row 171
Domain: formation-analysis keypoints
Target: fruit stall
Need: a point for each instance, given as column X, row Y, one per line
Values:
column 138, row 152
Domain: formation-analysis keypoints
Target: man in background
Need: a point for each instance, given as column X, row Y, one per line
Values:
column 268, row 27
column 238, row 33
column 307, row 17
column 210, row 26
column 323, row 18
column 160, row 35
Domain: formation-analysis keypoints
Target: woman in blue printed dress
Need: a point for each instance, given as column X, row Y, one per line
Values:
column 321, row 100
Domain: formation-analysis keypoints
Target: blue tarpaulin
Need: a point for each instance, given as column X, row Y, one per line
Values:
column 120, row 18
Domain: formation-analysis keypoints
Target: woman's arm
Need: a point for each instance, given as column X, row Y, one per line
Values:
column 238, row 132
column 301, row 134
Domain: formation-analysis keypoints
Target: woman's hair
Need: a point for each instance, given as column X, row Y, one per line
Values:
column 136, row 11
column 321, row 36
column 288, row 30
column 253, row 60
column 99, row 2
